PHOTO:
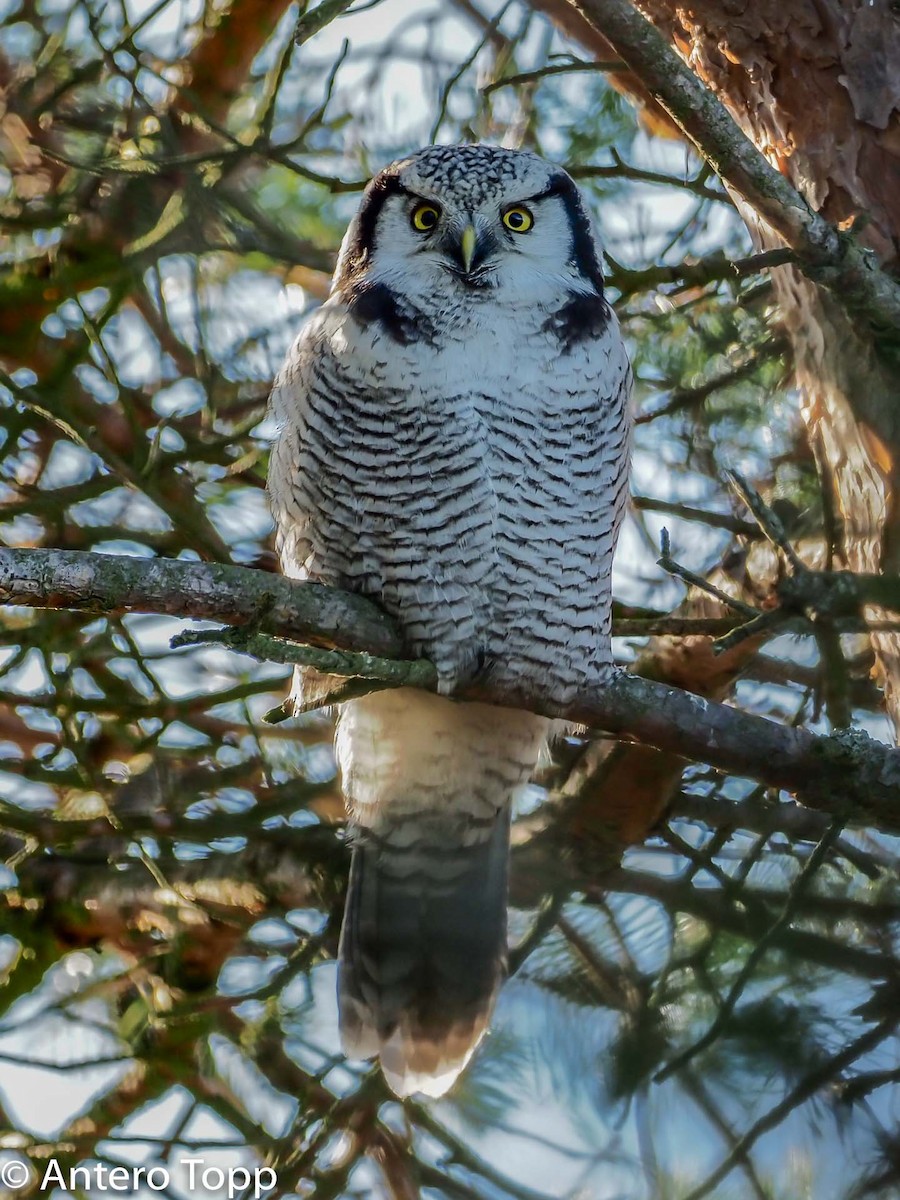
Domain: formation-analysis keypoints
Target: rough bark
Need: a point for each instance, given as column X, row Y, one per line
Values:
column 847, row 774
column 814, row 86
column 111, row 583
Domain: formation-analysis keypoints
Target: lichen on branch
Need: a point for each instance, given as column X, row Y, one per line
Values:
column 847, row 773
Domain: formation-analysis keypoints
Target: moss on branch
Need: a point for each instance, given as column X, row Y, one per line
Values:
column 847, row 774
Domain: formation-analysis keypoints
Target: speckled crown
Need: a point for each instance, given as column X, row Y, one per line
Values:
column 473, row 171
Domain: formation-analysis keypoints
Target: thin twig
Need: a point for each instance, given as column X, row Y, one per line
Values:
column 761, row 624
column 388, row 672
column 620, row 169
column 736, row 990
column 672, row 567
column 687, row 512
column 461, row 70
column 311, row 22
column 827, row 1073
column 553, row 69
column 767, row 519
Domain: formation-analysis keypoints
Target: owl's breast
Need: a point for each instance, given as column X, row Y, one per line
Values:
column 399, row 498
column 471, row 483
column 558, row 433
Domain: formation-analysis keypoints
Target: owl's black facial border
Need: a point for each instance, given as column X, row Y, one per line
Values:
column 375, row 304
column 584, row 251
column 579, row 318
column 584, row 318
column 376, row 195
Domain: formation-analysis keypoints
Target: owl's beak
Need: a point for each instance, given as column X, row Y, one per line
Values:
column 468, row 253
column 467, row 245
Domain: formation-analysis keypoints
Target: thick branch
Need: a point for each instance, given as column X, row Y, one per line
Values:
column 110, row 583
column 840, row 264
column 847, row 773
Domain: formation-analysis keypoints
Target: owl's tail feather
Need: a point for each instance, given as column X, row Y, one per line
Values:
column 423, row 947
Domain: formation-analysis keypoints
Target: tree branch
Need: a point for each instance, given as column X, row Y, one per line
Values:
column 847, row 774
column 834, row 260
column 565, row 68
column 699, row 273
column 110, row 584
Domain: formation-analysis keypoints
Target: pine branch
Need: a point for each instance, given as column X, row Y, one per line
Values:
column 831, row 258
column 847, row 774
column 110, row 584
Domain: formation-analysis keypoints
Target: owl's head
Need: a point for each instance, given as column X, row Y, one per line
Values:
column 455, row 222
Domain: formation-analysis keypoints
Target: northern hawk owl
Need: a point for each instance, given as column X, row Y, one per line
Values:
column 453, row 444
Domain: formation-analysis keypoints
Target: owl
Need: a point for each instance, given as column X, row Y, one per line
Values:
column 453, row 443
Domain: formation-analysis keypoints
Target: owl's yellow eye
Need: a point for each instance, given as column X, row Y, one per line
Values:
column 425, row 217
column 519, row 220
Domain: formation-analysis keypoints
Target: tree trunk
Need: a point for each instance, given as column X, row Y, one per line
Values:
column 814, row 84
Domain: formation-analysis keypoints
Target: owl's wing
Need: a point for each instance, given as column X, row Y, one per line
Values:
column 289, row 498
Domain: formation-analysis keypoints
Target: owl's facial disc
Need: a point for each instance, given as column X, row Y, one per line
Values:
column 467, row 245
column 451, row 224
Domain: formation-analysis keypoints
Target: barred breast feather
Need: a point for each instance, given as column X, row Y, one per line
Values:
column 458, row 454
column 482, row 520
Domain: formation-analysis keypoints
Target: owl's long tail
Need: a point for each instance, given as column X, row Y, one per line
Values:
column 423, row 947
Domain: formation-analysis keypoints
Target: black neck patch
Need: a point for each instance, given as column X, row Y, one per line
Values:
column 582, row 319
column 386, row 183
column 376, row 304
column 584, row 316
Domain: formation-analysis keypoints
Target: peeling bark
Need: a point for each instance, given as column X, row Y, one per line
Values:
column 814, row 86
